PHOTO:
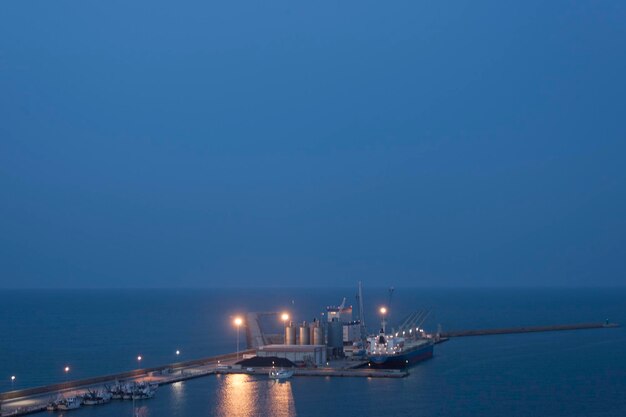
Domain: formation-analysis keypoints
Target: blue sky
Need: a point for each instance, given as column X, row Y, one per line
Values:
column 312, row 143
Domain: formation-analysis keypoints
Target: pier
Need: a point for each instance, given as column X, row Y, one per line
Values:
column 328, row 372
column 527, row 329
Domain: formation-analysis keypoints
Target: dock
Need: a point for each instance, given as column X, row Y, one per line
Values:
column 328, row 372
column 527, row 329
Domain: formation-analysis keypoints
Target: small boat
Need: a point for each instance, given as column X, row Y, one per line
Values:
column 280, row 374
column 116, row 391
column 70, row 403
column 127, row 391
column 96, row 397
column 144, row 391
column 144, row 394
column 53, row 404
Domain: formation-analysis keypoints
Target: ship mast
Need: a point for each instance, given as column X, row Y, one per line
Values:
column 363, row 332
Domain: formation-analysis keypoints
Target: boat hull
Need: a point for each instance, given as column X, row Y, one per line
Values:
column 403, row 360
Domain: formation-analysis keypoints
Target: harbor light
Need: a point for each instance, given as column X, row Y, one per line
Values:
column 177, row 352
column 284, row 317
column 383, row 311
column 66, row 369
column 238, row 322
column 12, row 378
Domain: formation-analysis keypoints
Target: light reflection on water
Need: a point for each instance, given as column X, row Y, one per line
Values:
column 246, row 396
column 178, row 393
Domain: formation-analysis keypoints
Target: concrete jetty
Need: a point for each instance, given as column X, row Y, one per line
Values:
column 327, row 372
column 527, row 329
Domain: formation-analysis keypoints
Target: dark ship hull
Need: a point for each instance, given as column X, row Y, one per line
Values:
column 402, row 360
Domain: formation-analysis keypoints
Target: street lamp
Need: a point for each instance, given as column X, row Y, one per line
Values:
column 284, row 317
column 383, row 312
column 177, row 353
column 238, row 322
column 139, row 358
column 12, row 381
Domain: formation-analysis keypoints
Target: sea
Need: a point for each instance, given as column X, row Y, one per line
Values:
column 96, row 332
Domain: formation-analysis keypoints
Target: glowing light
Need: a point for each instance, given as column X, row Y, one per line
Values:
column 12, row 378
column 383, row 310
column 284, row 317
column 238, row 321
column 177, row 352
column 139, row 358
column 66, row 369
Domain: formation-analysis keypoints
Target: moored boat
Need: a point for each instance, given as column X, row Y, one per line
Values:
column 406, row 347
column 96, row 397
column 280, row 374
column 69, row 403
column 393, row 352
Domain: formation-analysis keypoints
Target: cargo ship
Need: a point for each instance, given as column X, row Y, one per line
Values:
column 398, row 352
column 409, row 345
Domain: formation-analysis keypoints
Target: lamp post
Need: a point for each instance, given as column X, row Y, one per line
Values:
column 383, row 312
column 67, row 371
column 12, row 382
column 285, row 318
column 139, row 358
column 238, row 322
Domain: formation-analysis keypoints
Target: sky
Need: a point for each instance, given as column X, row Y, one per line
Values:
column 288, row 143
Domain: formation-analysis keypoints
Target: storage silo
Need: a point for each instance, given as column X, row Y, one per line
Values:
column 318, row 335
column 335, row 334
column 290, row 334
column 305, row 336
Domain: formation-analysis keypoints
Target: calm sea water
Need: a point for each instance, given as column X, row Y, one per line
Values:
column 581, row 373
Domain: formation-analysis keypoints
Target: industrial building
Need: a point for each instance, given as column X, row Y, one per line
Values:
column 350, row 329
column 308, row 354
